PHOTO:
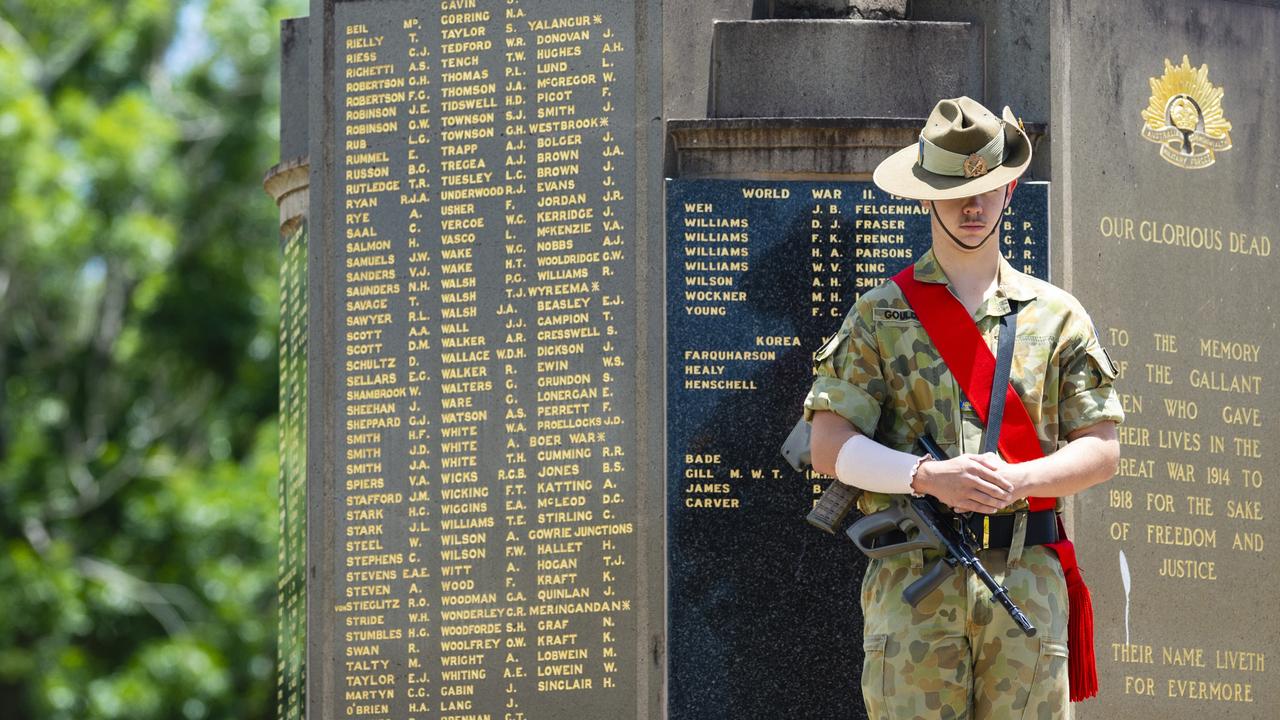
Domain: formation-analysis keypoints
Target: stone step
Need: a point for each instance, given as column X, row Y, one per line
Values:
column 842, row 68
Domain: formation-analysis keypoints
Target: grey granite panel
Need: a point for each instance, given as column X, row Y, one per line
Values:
column 1173, row 256
column 1016, row 40
column 484, row 413
column 842, row 68
column 294, row 61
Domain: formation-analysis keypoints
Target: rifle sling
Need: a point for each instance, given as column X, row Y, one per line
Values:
column 1000, row 380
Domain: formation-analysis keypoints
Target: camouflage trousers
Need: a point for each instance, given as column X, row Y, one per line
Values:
column 958, row 655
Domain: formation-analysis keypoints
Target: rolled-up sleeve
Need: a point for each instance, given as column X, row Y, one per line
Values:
column 848, row 378
column 1086, row 394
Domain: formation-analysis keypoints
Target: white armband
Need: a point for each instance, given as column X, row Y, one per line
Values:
column 866, row 464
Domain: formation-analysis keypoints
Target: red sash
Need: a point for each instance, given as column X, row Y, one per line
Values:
column 954, row 334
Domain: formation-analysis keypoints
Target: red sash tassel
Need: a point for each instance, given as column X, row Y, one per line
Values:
column 967, row 356
column 1082, row 670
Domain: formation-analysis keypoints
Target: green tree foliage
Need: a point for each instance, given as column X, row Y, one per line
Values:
column 138, row 314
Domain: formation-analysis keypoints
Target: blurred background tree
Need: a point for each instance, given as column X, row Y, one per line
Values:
column 138, row 315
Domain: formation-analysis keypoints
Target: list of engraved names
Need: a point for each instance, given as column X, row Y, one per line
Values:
column 484, row 205
column 758, row 274
column 837, row 240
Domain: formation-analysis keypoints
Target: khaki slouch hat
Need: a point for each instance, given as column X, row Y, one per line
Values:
column 963, row 150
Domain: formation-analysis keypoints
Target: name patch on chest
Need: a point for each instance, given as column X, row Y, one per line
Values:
column 895, row 316
column 1034, row 339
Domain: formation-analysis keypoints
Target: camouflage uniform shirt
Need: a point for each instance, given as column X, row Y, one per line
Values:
column 881, row 372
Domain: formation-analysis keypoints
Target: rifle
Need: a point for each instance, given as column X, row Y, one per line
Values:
column 837, row 500
column 918, row 523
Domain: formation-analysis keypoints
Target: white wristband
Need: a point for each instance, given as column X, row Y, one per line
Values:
column 865, row 463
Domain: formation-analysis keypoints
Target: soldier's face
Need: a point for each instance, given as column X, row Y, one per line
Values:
column 971, row 219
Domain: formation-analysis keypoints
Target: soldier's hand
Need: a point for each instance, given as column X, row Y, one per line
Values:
column 966, row 483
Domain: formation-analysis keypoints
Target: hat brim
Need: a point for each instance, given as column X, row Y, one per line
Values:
column 901, row 174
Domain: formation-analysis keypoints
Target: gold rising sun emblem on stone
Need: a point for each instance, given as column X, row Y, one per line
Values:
column 1184, row 116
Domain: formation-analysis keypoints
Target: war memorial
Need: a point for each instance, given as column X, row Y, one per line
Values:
column 553, row 275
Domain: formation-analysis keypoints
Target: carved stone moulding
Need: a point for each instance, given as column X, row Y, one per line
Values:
column 790, row 148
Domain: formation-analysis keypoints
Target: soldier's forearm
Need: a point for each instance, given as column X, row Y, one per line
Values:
column 829, row 433
column 1090, row 457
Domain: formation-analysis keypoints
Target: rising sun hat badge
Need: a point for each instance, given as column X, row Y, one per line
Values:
column 1184, row 116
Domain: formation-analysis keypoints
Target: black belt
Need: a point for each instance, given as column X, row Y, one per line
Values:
column 996, row 531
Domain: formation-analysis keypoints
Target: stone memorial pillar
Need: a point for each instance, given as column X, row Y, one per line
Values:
column 555, row 309
column 288, row 184
column 484, row 425
column 1166, row 194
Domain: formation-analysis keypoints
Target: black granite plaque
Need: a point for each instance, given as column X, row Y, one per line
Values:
column 1170, row 206
column 479, row 547
column 763, row 609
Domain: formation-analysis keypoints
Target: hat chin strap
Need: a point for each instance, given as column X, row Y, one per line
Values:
column 984, row 240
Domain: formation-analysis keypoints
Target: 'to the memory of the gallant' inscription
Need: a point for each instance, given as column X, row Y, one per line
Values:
column 483, row 211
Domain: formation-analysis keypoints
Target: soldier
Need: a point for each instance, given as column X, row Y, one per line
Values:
column 881, row 383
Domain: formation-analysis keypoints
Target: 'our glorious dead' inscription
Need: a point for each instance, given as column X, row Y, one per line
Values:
column 1187, row 512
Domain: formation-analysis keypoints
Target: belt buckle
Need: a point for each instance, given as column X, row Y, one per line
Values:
column 986, row 531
